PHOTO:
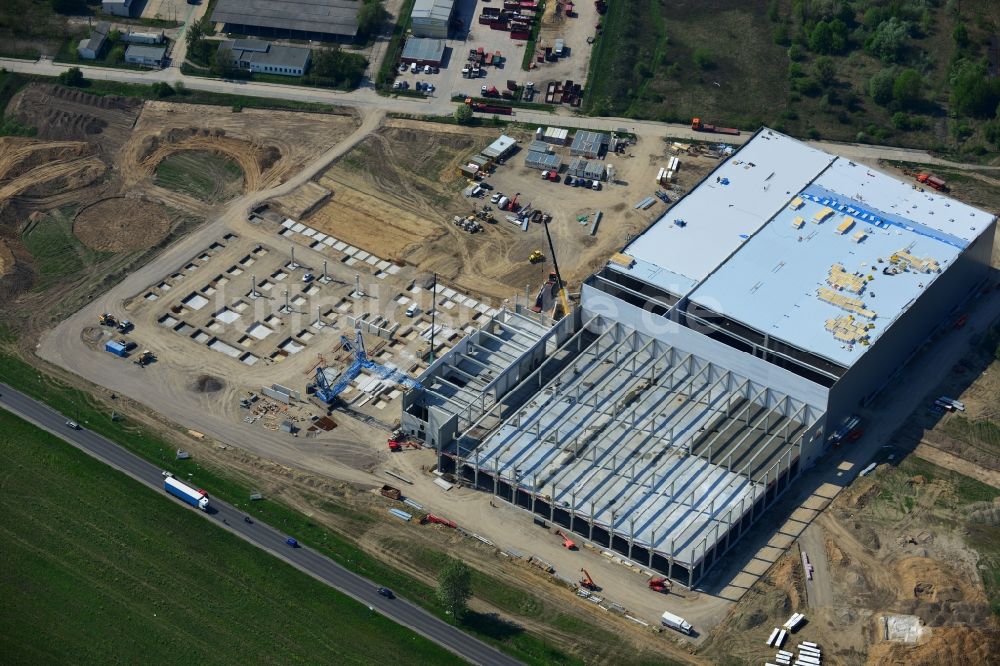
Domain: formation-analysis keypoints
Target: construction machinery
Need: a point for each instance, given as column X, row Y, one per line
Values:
column 560, row 285
column 145, row 358
column 327, row 390
column 567, row 542
column 536, row 256
column 699, row 126
column 108, row 319
column 659, row 584
column 588, row 582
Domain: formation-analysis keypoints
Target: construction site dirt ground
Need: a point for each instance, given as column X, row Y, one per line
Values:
column 395, row 195
column 403, row 178
column 97, row 156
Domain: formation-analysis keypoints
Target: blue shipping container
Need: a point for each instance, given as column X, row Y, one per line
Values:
column 115, row 348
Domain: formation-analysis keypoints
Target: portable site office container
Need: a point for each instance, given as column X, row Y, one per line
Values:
column 115, row 348
column 542, row 161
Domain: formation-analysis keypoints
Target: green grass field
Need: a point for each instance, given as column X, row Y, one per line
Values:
column 204, row 175
column 85, row 409
column 97, row 567
column 56, row 251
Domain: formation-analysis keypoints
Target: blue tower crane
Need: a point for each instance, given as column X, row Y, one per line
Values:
column 327, row 391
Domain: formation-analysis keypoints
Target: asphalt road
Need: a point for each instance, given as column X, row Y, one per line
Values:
column 365, row 97
column 261, row 535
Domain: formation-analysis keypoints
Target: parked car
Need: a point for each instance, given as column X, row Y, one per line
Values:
column 427, row 69
column 412, row 310
column 402, row 67
column 414, row 68
column 568, row 180
column 429, row 87
column 596, row 185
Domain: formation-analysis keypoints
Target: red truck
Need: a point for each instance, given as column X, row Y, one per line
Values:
column 932, row 181
column 699, row 126
column 481, row 107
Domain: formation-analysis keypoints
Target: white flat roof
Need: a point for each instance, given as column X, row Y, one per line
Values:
column 718, row 218
column 890, row 196
column 773, row 283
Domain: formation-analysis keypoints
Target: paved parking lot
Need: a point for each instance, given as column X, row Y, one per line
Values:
column 450, row 81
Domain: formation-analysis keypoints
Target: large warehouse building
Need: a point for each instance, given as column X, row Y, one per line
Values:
column 320, row 20
column 709, row 361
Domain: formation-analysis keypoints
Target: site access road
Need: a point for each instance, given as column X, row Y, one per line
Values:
column 365, row 97
column 260, row 534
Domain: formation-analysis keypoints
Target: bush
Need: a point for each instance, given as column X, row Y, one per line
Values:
column 703, row 59
column 992, row 133
column 906, row 90
column 807, row 86
column 889, row 41
column 371, row 16
column 827, row 38
column 162, row 89
column 973, row 93
column 961, row 36
column 825, row 71
column 907, row 123
column 455, row 588
column 463, row 114
column 336, row 68
column 880, row 86
column 796, row 53
column 72, row 77
column 780, row 34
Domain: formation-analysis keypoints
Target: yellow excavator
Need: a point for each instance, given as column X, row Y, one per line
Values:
column 536, row 256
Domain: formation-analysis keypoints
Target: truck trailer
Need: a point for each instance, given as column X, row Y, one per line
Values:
column 699, row 126
column 932, row 181
column 668, row 619
column 185, row 493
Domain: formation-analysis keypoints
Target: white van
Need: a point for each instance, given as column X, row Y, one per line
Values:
column 412, row 310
